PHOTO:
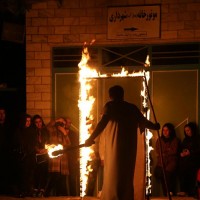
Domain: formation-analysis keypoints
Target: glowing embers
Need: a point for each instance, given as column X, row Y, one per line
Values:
column 51, row 148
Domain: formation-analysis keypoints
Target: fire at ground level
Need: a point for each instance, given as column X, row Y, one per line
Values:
column 88, row 198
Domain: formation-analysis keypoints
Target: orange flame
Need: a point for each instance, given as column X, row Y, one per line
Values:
column 51, row 148
column 86, row 101
column 85, row 104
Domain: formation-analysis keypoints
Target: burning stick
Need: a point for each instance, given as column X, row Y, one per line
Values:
column 56, row 153
column 147, row 64
column 52, row 148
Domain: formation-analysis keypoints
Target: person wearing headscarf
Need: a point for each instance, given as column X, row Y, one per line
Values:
column 167, row 146
column 25, row 141
column 189, row 160
column 58, row 167
column 41, row 170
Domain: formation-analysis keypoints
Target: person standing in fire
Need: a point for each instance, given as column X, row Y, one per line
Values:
column 119, row 121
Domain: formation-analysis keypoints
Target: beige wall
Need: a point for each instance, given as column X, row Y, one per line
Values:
column 79, row 21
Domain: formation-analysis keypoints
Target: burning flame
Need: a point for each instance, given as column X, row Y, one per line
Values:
column 125, row 73
column 85, row 106
column 148, row 134
column 147, row 62
column 85, row 103
column 51, row 148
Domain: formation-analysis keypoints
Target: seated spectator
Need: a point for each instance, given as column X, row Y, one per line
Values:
column 189, row 161
column 169, row 147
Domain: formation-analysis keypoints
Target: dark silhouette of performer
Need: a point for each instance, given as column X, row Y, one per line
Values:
column 120, row 121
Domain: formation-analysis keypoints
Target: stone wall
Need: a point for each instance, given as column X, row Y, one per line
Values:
column 74, row 22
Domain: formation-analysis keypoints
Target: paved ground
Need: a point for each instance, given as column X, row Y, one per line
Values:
column 89, row 198
column 173, row 198
column 48, row 198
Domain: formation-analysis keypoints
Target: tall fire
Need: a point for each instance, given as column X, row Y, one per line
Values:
column 85, row 103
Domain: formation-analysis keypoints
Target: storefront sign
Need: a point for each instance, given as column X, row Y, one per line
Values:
column 134, row 22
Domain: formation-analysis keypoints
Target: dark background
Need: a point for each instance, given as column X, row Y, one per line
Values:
column 12, row 62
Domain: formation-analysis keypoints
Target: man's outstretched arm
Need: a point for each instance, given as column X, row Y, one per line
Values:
column 99, row 128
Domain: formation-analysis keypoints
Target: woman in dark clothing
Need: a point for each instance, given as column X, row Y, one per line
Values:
column 25, row 147
column 170, row 146
column 6, row 166
column 41, row 171
column 189, row 157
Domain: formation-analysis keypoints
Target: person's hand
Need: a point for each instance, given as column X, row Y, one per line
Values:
column 89, row 142
column 62, row 130
column 157, row 126
column 187, row 152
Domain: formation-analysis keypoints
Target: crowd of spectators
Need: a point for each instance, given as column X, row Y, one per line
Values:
column 178, row 161
column 26, row 168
